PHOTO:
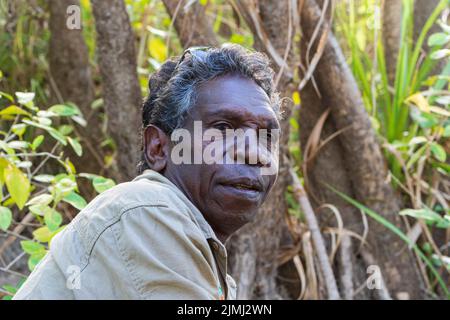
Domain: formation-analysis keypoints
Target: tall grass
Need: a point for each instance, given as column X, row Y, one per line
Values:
column 387, row 105
column 411, row 116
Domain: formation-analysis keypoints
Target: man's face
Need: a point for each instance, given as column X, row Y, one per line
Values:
column 228, row 194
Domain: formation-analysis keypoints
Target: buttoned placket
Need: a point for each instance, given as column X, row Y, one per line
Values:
column 220, row 255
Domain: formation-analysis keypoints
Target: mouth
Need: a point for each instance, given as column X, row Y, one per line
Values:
column 243, row 188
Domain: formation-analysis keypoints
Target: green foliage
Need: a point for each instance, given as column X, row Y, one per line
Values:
column 25, row 186
column 5, row 218
column 413, row 112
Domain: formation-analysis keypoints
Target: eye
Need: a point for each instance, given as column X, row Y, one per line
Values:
column 222, row 126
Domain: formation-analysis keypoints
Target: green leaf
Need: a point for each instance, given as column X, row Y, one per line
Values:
column 53, row 219
column 52, row 131
column 19, row 129
column 65, row 110
column 14, row 110
column 18, row 144
column 64, row 186
column 439, row 54
column 102, row 184
column 75, row 200
column 425, row 120
column 446, row 133
column 438, row 39
column 7, row 96
column 10, row 289
column 43, row 234
column 438, row 152
column 37, row 142
column 97, row 103
column 45, row 114
column 31, row 247
column 43, row 199
column 80, row 120
column 76, row 146
column 89, row 176
column 34, row 259
column 39, row 209
column 65, row 129
column 425, row 214
column 57, row 135
column 44, row 121
column 5, row 218
column 45, row 178
column 18, row 185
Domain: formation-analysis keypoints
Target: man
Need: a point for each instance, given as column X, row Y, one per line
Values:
column 162, row 235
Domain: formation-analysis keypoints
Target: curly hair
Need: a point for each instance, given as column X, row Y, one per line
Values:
column 173, row 87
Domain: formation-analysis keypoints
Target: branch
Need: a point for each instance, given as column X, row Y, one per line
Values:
column 319, row 244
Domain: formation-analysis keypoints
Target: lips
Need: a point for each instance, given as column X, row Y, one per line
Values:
column 244, row 184
column 243, row 188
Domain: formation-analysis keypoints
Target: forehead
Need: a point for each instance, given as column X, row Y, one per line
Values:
column 236, row 96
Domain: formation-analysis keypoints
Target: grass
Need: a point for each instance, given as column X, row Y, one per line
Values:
column 383, row 221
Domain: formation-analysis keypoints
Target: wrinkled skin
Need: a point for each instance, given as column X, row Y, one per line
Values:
column 228, row 195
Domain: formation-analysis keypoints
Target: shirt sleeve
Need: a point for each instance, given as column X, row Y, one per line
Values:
column 46, row 282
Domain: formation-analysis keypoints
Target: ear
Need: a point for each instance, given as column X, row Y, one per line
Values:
column 156, row 148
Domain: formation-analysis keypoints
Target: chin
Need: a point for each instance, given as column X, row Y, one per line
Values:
column 244, row 216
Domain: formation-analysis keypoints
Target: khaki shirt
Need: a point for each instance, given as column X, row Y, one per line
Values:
column 139, row 240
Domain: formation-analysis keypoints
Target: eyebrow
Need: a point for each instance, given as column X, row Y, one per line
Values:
column 234, row 116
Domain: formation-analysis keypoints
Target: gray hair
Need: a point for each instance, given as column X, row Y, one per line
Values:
column 173, row 87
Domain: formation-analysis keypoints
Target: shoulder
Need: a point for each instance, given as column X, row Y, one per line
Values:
column 140, row 204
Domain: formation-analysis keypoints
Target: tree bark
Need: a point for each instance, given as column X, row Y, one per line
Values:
column 121, row 90
column 191, row 23
column 362, row 168
column 71, row 81
column 391, row 25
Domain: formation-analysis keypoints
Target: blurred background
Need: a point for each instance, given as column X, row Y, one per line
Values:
column 361, row 206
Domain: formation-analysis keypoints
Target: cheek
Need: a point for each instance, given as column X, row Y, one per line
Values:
column 202, row 177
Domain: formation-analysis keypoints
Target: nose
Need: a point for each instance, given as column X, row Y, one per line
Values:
column 247, row 148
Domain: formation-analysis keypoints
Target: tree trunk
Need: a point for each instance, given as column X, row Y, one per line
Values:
column 391, row 25
column 362, row 168
column 121, row 90
column 71, row 81
column 191, row 23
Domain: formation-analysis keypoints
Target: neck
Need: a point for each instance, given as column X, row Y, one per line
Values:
column 223, row 237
